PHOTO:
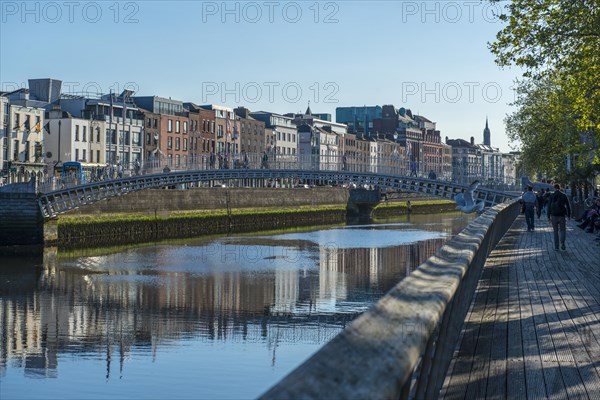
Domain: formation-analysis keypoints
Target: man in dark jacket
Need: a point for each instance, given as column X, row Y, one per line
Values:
column 559, row 210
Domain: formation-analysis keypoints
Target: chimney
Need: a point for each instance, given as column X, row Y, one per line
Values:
column 472, row 141
column 446, row 139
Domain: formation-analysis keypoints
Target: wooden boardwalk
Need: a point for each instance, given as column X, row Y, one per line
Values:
column 533, row 331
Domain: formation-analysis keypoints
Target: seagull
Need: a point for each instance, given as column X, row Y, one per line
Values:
column 465, row 200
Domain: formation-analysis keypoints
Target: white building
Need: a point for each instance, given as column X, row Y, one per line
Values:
column 68, row 138
column 22, row 142
column 285, row 132
column 123, row 121
column 3, row 138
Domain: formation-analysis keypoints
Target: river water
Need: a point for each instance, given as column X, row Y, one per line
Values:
column 212, row 318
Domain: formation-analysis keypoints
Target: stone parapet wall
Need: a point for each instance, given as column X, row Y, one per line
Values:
column 402, row 346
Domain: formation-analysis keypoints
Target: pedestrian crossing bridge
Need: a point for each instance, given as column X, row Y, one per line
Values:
column 56, row 197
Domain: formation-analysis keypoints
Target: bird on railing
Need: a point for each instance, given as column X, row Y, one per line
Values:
column 465, row 202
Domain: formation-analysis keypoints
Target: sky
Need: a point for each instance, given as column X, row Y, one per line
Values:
column 428, row 56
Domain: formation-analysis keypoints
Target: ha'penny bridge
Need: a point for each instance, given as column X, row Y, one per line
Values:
column 495, row 313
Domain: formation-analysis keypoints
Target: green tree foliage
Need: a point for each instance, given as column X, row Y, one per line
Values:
column 557, row 42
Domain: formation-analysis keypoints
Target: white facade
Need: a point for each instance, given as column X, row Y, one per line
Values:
column 3, row 138
column 122, row 138
column 509, row 166
column 491, row 165
column 373, row 150
column 286, row 135
column 328, row 145
column 124, row 141
column 79, row 139
column 23, row 140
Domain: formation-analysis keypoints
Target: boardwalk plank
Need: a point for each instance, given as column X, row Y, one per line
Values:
column 533, row 331
column 479, row 373
column 516, row 361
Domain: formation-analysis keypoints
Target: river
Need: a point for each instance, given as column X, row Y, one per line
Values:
column 208, row 318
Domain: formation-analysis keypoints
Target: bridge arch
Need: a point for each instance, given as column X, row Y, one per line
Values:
column 55, row 200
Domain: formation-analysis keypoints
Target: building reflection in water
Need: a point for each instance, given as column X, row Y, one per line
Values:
column 262, row 290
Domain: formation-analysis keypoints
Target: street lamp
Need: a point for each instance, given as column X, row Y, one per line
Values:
column 123, row 132
column 59, row 124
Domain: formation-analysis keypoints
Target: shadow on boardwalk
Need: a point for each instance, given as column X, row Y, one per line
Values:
column 533, row 331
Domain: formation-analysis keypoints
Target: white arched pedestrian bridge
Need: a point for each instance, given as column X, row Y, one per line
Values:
column 59, row 197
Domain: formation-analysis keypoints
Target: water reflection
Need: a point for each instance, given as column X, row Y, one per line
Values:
column 238, row 312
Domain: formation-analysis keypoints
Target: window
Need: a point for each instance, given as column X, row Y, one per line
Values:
column 170, row 126
column 83, row 155
column 91, row 156
column 149, row 123
column 38, row 123
column 184, row 144
column 18, row 120
column 98, row 135
column 220, row 133
column 177, row 127
column 169, row 143
column 156, row 122
column 148, row 138
column 76, row 154
column 76, row 135
column 177, row 160
column 97, row 156
column 212, row 127
column 83, row 134
column 137, row 140
column 111, row 136
column 177, row 143
column 184, row 126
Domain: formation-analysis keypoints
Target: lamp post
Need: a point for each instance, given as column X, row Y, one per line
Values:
column 123, row 132
column 59, row 124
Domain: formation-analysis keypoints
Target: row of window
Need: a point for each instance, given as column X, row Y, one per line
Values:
column 84, row 154
column 291, row 137
column 27, row 122
column 177, row 126
column 111, row 137
column 177, row 143
column 84, row 134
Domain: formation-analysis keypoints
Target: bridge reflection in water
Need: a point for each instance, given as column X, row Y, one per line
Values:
column 273, row 295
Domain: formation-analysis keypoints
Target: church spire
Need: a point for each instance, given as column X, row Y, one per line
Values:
column 487, row 133
column 308, row 112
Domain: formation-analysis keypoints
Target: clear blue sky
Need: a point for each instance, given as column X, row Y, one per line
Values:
column 431, row 57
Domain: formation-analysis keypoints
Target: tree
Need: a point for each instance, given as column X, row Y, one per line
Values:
column 557, row 42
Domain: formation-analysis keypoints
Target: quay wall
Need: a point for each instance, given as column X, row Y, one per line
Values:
column 21, row 221
column 153, row 215
column 139, row 230
column 402, row 346
column 162, row 200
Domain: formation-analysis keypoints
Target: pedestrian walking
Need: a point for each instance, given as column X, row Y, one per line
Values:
column 559, row 210
column 529, row 201
column 540, row 202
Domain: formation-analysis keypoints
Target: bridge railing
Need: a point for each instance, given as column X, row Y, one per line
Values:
column 389, row 165
column 401, row 348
